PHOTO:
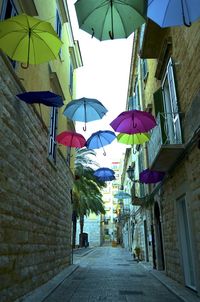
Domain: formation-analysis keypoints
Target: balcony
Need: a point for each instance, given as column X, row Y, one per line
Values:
column 165, row 145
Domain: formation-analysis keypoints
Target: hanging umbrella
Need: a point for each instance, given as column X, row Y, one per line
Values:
column 110, row 19
column 133, row 139
column 104, row 172
column 47, row 98
column 85, row 110
column 122, row 195
column 149, row 176
column 100, row 139
column 133, row 121
column 168, row 13
column 29, row 40
column 107, row 178
column 71, row 139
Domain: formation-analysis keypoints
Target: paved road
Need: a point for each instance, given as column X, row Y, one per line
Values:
column 109, row 274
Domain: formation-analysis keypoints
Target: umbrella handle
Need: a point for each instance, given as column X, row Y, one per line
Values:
column 104, row 152
column 84, row 128
column 24, row 66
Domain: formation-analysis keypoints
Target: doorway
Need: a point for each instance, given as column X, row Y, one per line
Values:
column 160, row 264
column 185, row 244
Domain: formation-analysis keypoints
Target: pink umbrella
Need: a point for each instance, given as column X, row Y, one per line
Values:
column 149, row 176
column 71, row 139
column 133, row 121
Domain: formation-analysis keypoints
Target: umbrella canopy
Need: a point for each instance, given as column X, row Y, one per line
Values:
column 47, row 98
column 168, row 13
column 149, row 176
column 100, row 139
column 85, row 110
column 122, row 195
column 133, row 139
column 107, row 178
column 110, row 19
column 71, row 139
column 29, row 40
column 133, row 121
column 104, row 172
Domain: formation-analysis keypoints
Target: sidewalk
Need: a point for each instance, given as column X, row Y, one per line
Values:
column 183, row 293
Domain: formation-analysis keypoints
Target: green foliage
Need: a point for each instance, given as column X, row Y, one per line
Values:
column 87, row 195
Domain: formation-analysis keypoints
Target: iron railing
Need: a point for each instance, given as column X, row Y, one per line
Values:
column 167, row 132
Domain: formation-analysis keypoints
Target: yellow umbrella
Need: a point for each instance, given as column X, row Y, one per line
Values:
column 29, row 40
column 133, row 139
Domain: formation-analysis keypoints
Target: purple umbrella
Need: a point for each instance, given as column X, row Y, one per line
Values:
column 149, row 176
column 133, row 121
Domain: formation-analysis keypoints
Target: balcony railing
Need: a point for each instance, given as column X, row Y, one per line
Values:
column 165, row 142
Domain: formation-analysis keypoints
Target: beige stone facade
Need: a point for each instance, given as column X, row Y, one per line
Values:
column 35, row 187
column 173, row 218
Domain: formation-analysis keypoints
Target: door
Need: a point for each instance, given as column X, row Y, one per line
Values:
column 185, row 244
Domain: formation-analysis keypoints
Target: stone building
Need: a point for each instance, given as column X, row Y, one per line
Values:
column 165, row 80
column 36, row 176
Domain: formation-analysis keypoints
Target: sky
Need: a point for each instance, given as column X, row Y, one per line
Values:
column 104, row 76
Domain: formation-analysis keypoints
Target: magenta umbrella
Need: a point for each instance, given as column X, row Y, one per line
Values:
column 133, row 121
column 71, row 139
column 151, row 176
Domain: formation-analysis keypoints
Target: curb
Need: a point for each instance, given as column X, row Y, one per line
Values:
column 42, row 292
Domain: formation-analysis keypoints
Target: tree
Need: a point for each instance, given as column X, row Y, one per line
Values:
column 87, row 195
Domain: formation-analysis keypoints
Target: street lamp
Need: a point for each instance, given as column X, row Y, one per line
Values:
column 131, row 172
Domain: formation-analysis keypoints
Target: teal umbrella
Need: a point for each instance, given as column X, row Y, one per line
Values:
column 110, row 19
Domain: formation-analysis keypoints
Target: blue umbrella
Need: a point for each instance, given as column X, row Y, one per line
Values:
column 104, row 172
column 100, row 139
column 122, row 195
column 107, row 178
column 47, row 98
column 85, row 110
column 168, row 13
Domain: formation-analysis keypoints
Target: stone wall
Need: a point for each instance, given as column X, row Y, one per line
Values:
column 35, row 202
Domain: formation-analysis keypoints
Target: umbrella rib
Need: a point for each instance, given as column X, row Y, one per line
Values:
column 97, row 7
column 35, row 34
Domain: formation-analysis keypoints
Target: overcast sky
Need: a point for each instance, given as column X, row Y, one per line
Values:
column 104, row 76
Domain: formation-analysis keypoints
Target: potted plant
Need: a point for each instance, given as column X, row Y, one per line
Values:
column 137, row 250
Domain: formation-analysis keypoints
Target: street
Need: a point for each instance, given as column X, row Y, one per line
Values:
column 110, row 274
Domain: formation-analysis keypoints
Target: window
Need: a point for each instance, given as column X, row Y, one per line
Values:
column 8, row 10
column 144, row 67
column 52, row 133
column 132, row 103
column 58, row 28
column 172, row 116
column 71, row 71
column 137, row 95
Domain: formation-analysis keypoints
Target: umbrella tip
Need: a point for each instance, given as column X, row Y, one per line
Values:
column 92, row 32
column 111, row 35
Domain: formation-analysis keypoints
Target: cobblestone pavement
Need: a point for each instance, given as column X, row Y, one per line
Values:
column 110, row 274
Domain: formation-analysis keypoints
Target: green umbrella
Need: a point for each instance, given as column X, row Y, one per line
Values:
column 29, row 40
column 110, row 19
column 133, row 139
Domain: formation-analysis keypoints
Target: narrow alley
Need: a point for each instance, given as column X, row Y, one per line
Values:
column 110, row 274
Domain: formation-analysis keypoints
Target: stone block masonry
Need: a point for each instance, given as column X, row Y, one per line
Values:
column 35, row 199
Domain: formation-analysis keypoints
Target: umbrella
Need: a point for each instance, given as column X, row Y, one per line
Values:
column 110, row 19
column 85, row 110
column 107, row 178
column 71, row 139
column 104, row 172
column 47, row 98
column 168, row 13
column 133, row 121
column 122, row 195
column 100, row 139
column 149, row 176
column 29, row 40
column 133, row 139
